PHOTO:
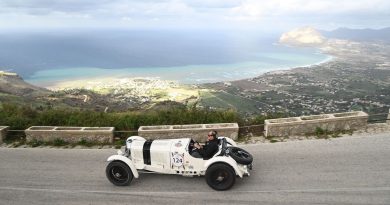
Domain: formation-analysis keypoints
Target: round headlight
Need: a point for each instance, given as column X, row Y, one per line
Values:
column 128, row 143
column 127, row 151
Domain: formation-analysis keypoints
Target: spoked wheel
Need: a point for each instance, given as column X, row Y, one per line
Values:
column 220, row 177
column 241, row 156
column 119, row 173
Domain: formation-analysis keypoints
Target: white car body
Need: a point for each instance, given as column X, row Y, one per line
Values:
column 172, row 156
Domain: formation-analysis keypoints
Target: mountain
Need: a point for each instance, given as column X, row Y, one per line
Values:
column 305, row 36
column 12, row 83
column 359, row 34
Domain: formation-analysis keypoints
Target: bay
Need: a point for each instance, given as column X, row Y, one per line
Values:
column 187, row 56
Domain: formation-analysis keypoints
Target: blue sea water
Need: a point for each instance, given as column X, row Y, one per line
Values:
column 191, row 56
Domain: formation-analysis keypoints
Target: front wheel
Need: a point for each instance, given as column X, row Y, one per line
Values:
column 220, row 176
column 119, row 173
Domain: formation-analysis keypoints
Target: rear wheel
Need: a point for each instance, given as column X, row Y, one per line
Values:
column 119, row 173
column 220, row 176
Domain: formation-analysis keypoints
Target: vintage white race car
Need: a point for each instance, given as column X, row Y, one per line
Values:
column 172, row 156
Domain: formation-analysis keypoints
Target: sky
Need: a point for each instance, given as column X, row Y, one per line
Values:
column 181, row 14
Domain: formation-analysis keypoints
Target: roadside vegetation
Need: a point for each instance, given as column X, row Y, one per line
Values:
column 127, row 123
column 325, row 134
column 19, row 117
column 22, row 117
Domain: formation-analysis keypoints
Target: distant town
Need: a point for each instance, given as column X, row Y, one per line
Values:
column 357, row 78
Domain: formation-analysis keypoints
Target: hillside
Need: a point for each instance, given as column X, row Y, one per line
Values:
column 12, row 83
column 101, row 97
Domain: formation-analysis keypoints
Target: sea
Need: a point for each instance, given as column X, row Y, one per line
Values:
column 48, row 57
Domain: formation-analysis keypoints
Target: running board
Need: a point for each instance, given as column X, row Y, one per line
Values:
column 146, row 172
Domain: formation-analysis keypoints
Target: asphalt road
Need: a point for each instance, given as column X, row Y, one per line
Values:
column 350, row 170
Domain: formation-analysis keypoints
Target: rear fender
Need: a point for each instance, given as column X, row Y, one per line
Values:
column 226, row 160
column 126, row 161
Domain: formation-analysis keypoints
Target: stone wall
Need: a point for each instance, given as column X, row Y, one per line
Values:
column 3, row 133
column 388, row 118
column 70, row 134
column 198, row 132
column 308, row 124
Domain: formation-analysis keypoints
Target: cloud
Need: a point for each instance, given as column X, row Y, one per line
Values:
column 213, row 4
column 260, row 8
column 192, row 12
column 29, row 6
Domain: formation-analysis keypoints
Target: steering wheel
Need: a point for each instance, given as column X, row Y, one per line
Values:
column 192, row 145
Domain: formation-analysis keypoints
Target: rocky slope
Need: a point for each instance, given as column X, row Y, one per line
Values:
column 11, row 83
column 306, row 36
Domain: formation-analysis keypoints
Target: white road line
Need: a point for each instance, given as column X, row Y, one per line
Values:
column 352, row 189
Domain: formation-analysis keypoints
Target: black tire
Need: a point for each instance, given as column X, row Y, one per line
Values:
column 119, row 173
column 220, row 176
column 241, row 156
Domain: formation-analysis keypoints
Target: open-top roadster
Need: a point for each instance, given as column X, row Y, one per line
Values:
column 172, row 156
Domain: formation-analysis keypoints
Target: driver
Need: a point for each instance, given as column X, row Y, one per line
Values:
column 209, row 149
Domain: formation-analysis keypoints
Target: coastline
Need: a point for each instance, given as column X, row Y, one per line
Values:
column 83, row 82
column 329, row 59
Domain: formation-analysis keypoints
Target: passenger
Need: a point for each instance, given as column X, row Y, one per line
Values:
column 209, row 149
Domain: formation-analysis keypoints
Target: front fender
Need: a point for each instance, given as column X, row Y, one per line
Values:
column 227, row 160
column 126, row 161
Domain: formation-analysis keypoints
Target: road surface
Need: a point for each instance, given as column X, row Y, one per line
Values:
column 349, row 170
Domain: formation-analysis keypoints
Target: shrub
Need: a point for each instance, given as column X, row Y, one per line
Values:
column 84, row 142
column 36, row 143
column 321, row 133
column 59, row 142
column 24, row 117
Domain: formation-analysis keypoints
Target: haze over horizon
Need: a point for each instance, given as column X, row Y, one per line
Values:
column 232, row 34
column 276, row 15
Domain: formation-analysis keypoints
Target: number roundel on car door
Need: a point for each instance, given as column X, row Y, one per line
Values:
column 177, row 159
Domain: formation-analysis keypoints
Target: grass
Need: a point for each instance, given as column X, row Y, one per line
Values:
column 325, row 134
column 321, row 133
column 223, row 100
column 274, row 139
column 59, row 142
column 119, row 143
column 84, row 142
column 336, row 135
column 36, row 143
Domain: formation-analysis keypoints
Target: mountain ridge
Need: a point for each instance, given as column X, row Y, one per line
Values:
column 366, row 34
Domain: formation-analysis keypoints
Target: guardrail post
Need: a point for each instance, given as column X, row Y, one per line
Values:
column 388, row 118
column 3, row 133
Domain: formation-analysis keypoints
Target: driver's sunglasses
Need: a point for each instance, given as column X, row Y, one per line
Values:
column 210, row 135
